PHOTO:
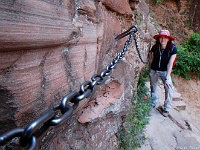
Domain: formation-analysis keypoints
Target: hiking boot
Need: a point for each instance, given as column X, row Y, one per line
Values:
column 165, row 113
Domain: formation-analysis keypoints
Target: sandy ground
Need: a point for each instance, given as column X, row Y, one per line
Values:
column 181, row 130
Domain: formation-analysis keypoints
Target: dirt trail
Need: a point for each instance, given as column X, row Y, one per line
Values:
column 181, row 130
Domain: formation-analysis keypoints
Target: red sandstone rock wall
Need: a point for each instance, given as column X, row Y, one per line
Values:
column 180, row 17
column 47, row 49
column 194, row 15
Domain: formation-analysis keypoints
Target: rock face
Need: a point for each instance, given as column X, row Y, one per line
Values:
column 180, row 17
column 194, row 15
column 48, row 48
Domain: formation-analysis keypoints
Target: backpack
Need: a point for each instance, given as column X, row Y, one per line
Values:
column 174, row 63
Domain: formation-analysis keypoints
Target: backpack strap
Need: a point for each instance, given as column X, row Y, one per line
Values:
column 172, row 48
column 171, row 51
column 174, row 63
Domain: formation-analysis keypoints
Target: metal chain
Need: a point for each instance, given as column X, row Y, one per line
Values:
column 138, row 51
column 136, row 44
column 58, row 114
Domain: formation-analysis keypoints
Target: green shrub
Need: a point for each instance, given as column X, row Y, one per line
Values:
column 186, row 64
column 157, row 2
column 193, row 45
column 188, row 61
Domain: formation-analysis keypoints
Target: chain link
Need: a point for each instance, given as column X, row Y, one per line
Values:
column 59, row 113
column 138, row 51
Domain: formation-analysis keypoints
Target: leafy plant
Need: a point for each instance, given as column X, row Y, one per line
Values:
column 188, row 61
column 187, row 64
column 193, row 44
column 158, row 2
column 131, row 135
column 188, row 24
